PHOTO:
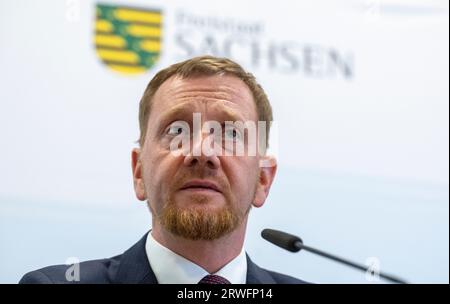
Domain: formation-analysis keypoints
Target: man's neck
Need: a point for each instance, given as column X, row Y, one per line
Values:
column 210, row 255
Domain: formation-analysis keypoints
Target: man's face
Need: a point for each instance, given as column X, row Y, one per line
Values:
column 198, row 196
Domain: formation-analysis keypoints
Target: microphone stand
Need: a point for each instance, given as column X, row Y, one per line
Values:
column 294, row 244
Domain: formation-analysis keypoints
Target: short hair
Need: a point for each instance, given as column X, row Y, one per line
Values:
column 204, row 66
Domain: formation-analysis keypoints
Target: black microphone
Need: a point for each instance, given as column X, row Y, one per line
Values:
column 294, row 244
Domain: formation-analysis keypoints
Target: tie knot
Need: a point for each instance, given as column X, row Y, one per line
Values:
column 213, row 279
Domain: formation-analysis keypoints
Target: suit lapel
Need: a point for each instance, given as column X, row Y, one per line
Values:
column 134, row 266
column 257, row 275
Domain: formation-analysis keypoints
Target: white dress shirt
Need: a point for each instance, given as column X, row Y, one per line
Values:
column 171, row 268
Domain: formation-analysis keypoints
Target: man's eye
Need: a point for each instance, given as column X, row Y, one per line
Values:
column 176, row 130
column 232, row 134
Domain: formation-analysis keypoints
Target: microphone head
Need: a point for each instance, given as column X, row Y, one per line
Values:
column 282, row 239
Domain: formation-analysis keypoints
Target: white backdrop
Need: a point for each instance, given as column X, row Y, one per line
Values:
column 360, row 94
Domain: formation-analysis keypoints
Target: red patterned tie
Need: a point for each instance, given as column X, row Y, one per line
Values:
column 213, row 279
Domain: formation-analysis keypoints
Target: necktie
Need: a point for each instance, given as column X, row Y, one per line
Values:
column 213, row 279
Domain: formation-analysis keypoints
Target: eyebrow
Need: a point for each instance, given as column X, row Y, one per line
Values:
column 183, row 109
column 173, row 112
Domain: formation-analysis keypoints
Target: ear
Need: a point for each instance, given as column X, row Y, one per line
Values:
column 266, row 176
column 136, row 166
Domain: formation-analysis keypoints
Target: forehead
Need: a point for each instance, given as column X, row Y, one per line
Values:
column 213, row 94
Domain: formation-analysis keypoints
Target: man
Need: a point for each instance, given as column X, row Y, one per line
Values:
column 199, row 190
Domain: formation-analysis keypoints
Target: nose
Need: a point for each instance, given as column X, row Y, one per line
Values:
column 201, row 153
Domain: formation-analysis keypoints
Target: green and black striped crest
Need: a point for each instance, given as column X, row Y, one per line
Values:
column 128, row 39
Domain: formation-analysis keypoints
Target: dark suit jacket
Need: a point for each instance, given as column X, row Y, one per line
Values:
column 133, row 267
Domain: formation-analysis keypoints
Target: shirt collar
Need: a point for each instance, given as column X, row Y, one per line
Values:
column 171, row 268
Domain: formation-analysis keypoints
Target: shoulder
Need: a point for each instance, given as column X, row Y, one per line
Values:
column 258, row 275
column 280, row 278
column 130, row 267
column 95, row 271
